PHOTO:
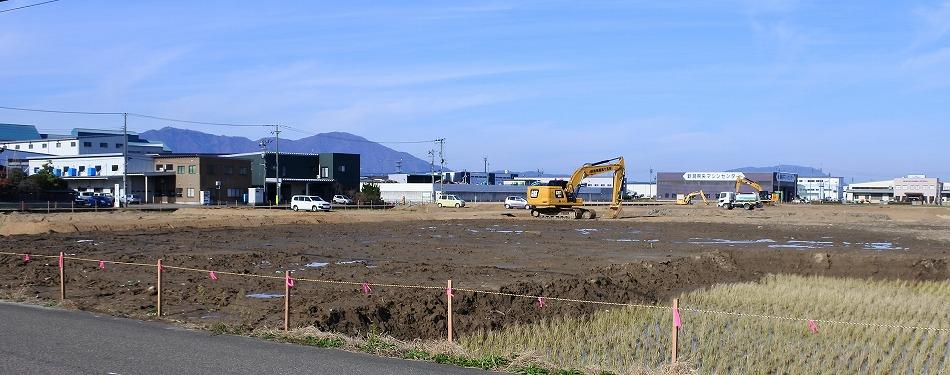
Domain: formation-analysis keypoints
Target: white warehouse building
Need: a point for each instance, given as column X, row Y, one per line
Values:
column 821, row 188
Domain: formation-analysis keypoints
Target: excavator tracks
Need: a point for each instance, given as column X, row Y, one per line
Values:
column 574, row 213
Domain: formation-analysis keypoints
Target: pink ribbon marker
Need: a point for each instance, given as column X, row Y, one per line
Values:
column 677, row 321
column 26, row 258
column 60, row 260
column 212, row 275
column 448, row 292
column 812, row 326
column 102, row 264
column 290, row 281
column 366, row 289
column 541, row 302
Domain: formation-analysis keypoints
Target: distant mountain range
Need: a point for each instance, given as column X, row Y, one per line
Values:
column 374, row 157
column 797, row 169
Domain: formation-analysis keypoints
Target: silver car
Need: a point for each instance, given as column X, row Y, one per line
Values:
column 516, row 202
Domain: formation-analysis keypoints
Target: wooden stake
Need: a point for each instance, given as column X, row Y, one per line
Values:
column 675, row 342
column 448, row 295
column 158, row 288
column 286, row 301
column 62, row 276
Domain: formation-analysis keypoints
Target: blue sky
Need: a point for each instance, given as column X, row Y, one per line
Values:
column 860, row 88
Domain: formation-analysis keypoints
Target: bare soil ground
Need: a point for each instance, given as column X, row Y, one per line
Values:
column 648, row 255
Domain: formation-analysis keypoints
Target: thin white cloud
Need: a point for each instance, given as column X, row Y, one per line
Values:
column 934, row 24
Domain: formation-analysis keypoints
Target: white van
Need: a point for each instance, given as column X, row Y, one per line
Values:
column 309, row 203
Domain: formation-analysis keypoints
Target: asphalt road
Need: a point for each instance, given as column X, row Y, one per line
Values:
column 37, row 340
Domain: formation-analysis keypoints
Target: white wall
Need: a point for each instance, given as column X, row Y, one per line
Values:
column 819, row 188
column 111, row 165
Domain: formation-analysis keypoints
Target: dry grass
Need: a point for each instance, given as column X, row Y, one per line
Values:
column 628, row 340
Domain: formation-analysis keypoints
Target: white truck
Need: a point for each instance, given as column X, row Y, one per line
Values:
column 730, row 200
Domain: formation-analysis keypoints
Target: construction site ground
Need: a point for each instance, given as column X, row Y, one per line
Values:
column 647, row 255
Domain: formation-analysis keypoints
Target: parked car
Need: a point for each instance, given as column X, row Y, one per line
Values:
column 309, row 203
column 130, row 199
column 106, row 198
column 516, row 202
column 97, row 201
column 449, row 201
column 82, row 197
column 342, row 199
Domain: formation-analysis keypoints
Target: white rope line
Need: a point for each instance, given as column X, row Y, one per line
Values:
column 514, row 295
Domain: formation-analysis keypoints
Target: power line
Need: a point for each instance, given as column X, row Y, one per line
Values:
column 27, row 6
column 58, row 111
column 199, row 122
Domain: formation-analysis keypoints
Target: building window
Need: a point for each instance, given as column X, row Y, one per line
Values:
column 98, row 168
column 36, row 169
column 87, row 144
column 234, row 193
column 342, row 168
column 169, row 167
column 17, row 147
column 58, row 145
column 191, row 192
column 82, row 168
column 181, row 170
column 72, row 144
column 243, row 172
column 118, row 145
column 229, row 170
column 115, row 167
column 44, row 145
column 192, row 169
column 324, row 172
column 103, row 145
column 30, row 146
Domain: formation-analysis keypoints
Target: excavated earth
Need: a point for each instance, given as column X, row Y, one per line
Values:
column 602, row 260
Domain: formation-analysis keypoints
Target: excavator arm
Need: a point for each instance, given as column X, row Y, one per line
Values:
column 615, row 165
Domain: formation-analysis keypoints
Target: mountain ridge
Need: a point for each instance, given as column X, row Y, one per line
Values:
column 374, row 157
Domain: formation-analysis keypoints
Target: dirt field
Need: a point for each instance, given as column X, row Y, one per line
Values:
column 648, row 255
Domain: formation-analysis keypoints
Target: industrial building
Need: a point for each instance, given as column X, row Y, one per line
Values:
column 673, row 185
column 79, row 142
column 821, row 188
column 914, row 189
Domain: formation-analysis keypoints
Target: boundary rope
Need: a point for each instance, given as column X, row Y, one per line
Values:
column 514, row 295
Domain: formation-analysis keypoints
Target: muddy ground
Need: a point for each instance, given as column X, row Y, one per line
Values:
column 630, row 260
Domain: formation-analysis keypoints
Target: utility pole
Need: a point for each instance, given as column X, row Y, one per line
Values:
column 441, row 163
column 485, row 160
column 125, row 159
column 276, row 160
column 264, row 143
column 432, row 172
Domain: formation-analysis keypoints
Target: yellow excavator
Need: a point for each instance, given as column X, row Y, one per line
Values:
column 765, row 196
column 559, row 198
column 688, row 199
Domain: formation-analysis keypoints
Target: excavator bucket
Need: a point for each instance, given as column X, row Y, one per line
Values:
column 615, row 211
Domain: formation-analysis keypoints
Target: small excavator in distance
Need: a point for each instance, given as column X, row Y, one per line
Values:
column 688, row 199
column 559, row 198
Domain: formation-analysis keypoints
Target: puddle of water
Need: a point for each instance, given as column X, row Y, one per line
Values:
column 264, row 295
column 881, row 246
column 345, row 262
column 316, row 264
column 720, row 241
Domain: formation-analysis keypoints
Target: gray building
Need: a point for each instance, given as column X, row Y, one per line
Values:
column 670, row 185
column 323, row 174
